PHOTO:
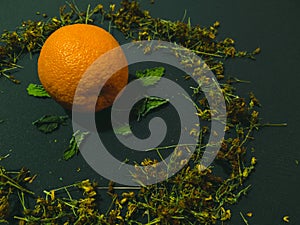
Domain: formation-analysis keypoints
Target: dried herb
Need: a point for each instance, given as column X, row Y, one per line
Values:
column 37, row 90
column 75, row 142
column 138, row 24
column 11, row 183
column 51, row 209
column 49, row 123
column 195, row 195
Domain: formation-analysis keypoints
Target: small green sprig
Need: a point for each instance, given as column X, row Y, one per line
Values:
column 73, row 148
column 49, row 123
column 37, row 90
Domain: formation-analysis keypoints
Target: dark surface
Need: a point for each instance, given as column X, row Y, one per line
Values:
column 271, row 25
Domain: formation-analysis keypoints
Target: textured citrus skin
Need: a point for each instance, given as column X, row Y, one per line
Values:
column 68, row 53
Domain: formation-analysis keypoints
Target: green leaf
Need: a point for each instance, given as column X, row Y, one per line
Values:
column 151, row 76
column 37, row 90
column 123, row 130
column 75, row 142
column 48, row 123
column 148, row 104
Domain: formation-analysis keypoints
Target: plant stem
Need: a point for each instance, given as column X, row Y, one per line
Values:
column 244, row 219
column 274, row 125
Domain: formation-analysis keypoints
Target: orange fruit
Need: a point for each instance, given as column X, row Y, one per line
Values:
column 68, row 53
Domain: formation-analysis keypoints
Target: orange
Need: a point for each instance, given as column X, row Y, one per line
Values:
column 66, row 56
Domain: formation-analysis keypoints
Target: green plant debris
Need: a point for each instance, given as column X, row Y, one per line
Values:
column 11, row 183
column 37, row 90
column 4, row 157
column 148, row 104
column 150, row 76
column 123, row 130
column 49, row 123
column 75, row 142
column 194, row 195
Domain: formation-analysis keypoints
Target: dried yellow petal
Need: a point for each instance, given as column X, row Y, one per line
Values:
column 253, row 161
column 123, row 201
column 286, row 219
column 249, row 214
column 52, row 194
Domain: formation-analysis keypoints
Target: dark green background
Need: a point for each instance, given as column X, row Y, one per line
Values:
column 271, row 25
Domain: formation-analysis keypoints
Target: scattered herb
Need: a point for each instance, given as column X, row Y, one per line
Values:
column 75, row 142
column 37, row 90
column 193, row 195
column 151, row 76
column 12, row 182
column 49, row 123
column 123, row 130
column 148, row 104
column 51, row 209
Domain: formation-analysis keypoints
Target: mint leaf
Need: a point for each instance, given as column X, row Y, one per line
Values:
column 75, row 142
column 123, row 130
column 48, row 123
column 148, row 104
column 37, row 90
column 150, row 76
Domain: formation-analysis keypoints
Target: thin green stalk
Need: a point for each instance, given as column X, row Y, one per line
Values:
column 244, row 219
column 274, row 125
